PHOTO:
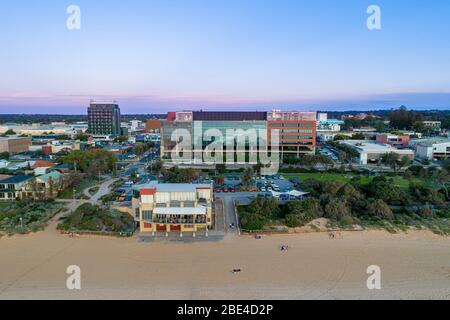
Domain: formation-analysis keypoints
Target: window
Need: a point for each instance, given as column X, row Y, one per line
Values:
column 136, row 213
column 146, row 215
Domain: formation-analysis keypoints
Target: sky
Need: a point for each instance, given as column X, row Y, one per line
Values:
column 154, row 56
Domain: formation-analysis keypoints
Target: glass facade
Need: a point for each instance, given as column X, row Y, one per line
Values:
column 238, row 131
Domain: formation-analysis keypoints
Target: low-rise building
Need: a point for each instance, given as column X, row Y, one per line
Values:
column 435, row 125
column 328, row 128
column 179, row 207
column 393, row 140
column 370, row 152
column 11, row 188
column 48, row 185
column 153, row 126
column 15, row 144
column 42, row 167
column 433, row 148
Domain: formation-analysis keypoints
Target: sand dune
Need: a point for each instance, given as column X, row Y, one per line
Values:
column 414, row 266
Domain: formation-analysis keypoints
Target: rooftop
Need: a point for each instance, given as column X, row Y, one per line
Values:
column 43, row 164
column 172, row 187
column 17, row 179
column 430, row 141
column 368, row 146
column 229, row 116
column 55, row 176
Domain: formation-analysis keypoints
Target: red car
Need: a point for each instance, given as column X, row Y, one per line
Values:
column 225, row 190
column 218, row 190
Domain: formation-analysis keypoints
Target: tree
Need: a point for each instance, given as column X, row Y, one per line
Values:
column 380, row 209
column 82, row 137
column 443, row 177
column 409, row 175
column 247, row 175
column 342, row 156
column 403, row 119
column 358, row 136
column 156, row 167
column 220, row 180
column 4, row 155
column 10, row 132
column 386, row 190
column 423, row 173
column 221, row 168
column 121, row 139
column 426, row 211
column 133, row 174
column 403, row 162
column 392, row 160
column 92, row 162
column 177, row 175
column 299, row 214
column 140, row 149
column 340, row 137
column 337, row 209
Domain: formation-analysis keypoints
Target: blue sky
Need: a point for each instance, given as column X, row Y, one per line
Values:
column 160, row 55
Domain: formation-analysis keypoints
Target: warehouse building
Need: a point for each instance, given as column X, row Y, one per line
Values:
column 370, row 152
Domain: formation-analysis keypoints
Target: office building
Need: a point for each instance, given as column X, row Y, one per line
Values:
column 104, row 118
column 296, row 132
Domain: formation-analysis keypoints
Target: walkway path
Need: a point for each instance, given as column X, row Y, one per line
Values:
column 73, row 204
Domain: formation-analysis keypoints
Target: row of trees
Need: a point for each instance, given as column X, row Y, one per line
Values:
column 345, row 203
column 403, row 119
column 92, row 162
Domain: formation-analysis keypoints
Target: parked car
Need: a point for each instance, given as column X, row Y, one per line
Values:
column 261, row 195
column 218, row 190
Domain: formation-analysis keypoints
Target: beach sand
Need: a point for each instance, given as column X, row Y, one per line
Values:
column 413, row 266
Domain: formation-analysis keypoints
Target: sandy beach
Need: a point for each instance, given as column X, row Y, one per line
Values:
column 414, row 266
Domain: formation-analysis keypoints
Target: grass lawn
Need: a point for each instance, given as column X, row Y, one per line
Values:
column 399, row 181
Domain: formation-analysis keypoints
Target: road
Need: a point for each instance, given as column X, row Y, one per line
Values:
column 230, row 214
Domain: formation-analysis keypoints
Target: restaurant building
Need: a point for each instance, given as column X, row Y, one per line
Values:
column 176, row 207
